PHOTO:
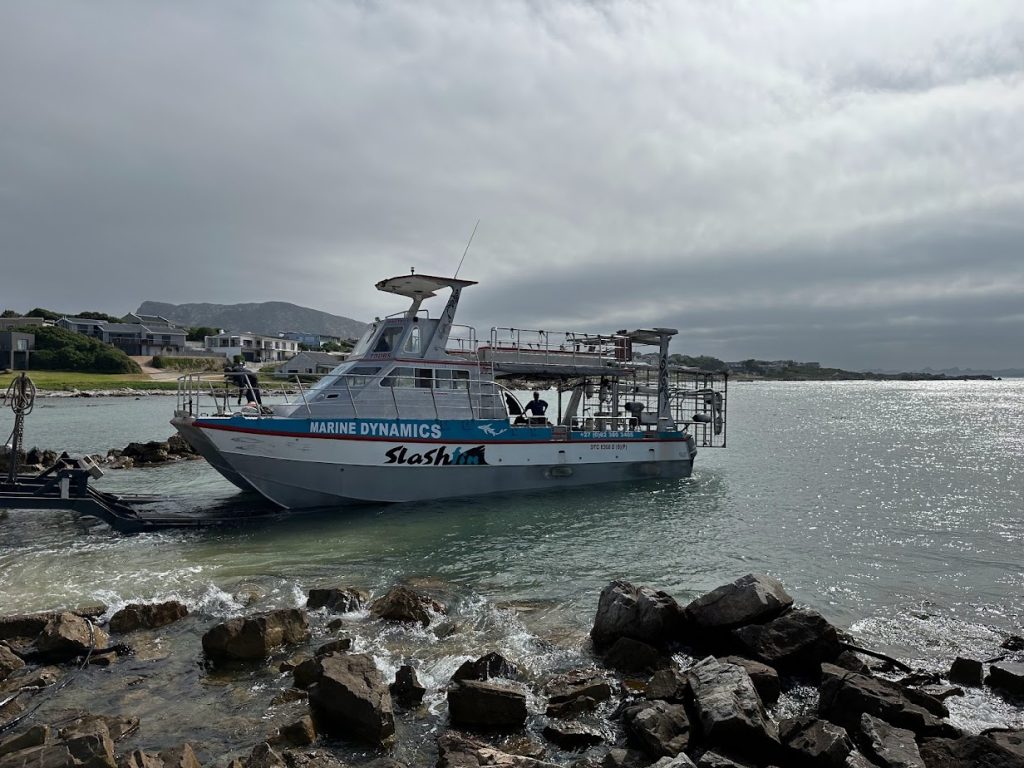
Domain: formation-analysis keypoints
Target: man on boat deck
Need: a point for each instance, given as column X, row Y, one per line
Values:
column 537, row 408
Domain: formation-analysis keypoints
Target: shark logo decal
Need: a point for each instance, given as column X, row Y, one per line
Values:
column 488, row 429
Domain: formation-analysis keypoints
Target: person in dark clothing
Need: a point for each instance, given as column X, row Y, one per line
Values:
column 537, row 408
column 252, row 383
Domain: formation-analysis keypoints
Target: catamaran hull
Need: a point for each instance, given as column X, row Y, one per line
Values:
column 299, row 472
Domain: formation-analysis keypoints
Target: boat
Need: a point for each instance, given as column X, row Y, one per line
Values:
column 422, row 409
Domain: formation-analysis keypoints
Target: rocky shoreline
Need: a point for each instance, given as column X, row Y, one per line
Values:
column 152, row 453
column 665, row 684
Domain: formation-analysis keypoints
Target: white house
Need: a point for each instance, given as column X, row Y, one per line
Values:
column 252, row 347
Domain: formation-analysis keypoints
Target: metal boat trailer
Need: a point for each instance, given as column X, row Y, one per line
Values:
column 65, row 486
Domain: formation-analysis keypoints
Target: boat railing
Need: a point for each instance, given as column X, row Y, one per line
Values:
column 604, row 424
column 355, row 396
column 554, row 348
column 462, row 340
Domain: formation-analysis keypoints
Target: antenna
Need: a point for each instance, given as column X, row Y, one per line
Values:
column 467, row 249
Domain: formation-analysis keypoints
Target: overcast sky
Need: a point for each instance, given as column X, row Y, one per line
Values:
column 833, row 181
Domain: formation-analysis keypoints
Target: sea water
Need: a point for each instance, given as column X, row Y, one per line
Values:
column 893, row 508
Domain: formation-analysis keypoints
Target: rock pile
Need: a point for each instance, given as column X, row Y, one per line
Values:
column 700, row 694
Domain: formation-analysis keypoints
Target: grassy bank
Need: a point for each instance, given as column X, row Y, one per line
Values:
column 64, row 381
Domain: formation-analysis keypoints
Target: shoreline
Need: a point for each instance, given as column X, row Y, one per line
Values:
column 738, row 677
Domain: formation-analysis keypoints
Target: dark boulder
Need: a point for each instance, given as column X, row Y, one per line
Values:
column 264, row 755
column 179, row 446
column 851, row 661
column 43, row 756
column 968, row 752
column 88, row 740
column 1007, row 676
column 9, row 662
column 340, row 645
column 765, row 679
column 35, row 736
column 574, row 686
column 798, row 641
column 639, row 613
column 751, row 599
column 406, row 691
column 629, row 655
column 147, row 616
column 572, row 736
column 337, row 599
column 1010, row 740
column 153, row 452
column 815, row 743
column 67, row 636
column 668, row 684
column 487, row 666
column 682, row 760
column 140, row 759
column 301, row 733
column 658, row 728
column 181, row 756
column 405, row 605
column 23, row 625
column 846, row 695
column 307, row 672
column 969, row 672
column 730, row 711
column 351, row 698
column 711, row 759
column 255, row 637
column 486, row 704
column 888, row 746
column 625, row 758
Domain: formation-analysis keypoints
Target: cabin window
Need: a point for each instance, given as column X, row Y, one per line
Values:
column 424, row 378
column 447, row 378
column 399, row 378
column 357, row 377
column 388, row 340
column 413, row 340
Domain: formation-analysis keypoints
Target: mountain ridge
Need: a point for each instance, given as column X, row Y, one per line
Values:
column 266, row 317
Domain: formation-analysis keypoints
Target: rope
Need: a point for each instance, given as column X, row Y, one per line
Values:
column 22, row 394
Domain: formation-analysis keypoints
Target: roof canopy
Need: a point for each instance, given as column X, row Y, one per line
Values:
column 420, row 286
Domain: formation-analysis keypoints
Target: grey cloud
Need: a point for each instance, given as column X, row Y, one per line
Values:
column 791, row 178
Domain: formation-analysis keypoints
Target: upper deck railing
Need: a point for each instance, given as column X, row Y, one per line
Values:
column 554, row 348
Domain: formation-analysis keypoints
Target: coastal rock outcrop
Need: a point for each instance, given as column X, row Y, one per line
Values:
column 9, row 662
column 731, row 713
column 67, row 636
column 403, row 604
column 575, row 692
column 337, row 599
column 639, row 613
column 659, row 728
column 486, row 704
column 351, row 698
column 797, row 641
column 751, row 599
column 147, row 616
column 1007, row 676
column 815, row 743
column 406, row 691
column 572, row 736
column 489, row 665
column 887, row 745
column 254, row 637
column 455, row 750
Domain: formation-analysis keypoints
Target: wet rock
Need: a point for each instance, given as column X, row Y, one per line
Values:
column 120, row 727
column 103, row 659
column 88, row 740
column 307, row 673
column 715, row 760
column 147, row 616
column 856, row 760
column 264, row 756
column 846, row 695
column 731, row 713
column 405, row 605
column 182, row 756
column 315, row 758
column 351, row 698
column 486, row 704
column 406, row 691
column 23, row 625
column 290, row 664
column 335, row 624
column 178, row 446
column 301, row 733
column 337, row 599
column 341, row 645
column 639, row 613
column 1006, row 676
column 67, row 636
column 798, row 641
column 942, row 692
column 815, row 743
column 44, row 756
column 1012, row 741
column 254, row 637
column 851, row 661
column 487, row 666
column 455, row 750
column 35, row 736
column 572, row 736
column 659, row 728
column 140, row 759
column 570, row 687
column 751, row 599
column 629, row 655
column 9, row 662
column 968, row 752
column 969, row 672
column 887, row 745
column 1013, row 643
column 765, row 679
column 667, row 685
column 572, row 708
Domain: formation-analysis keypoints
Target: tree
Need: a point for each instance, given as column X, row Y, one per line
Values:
column 58, row 349
column 46, row 314
column 200, row 332
column 99, row 316
column 9, row 313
